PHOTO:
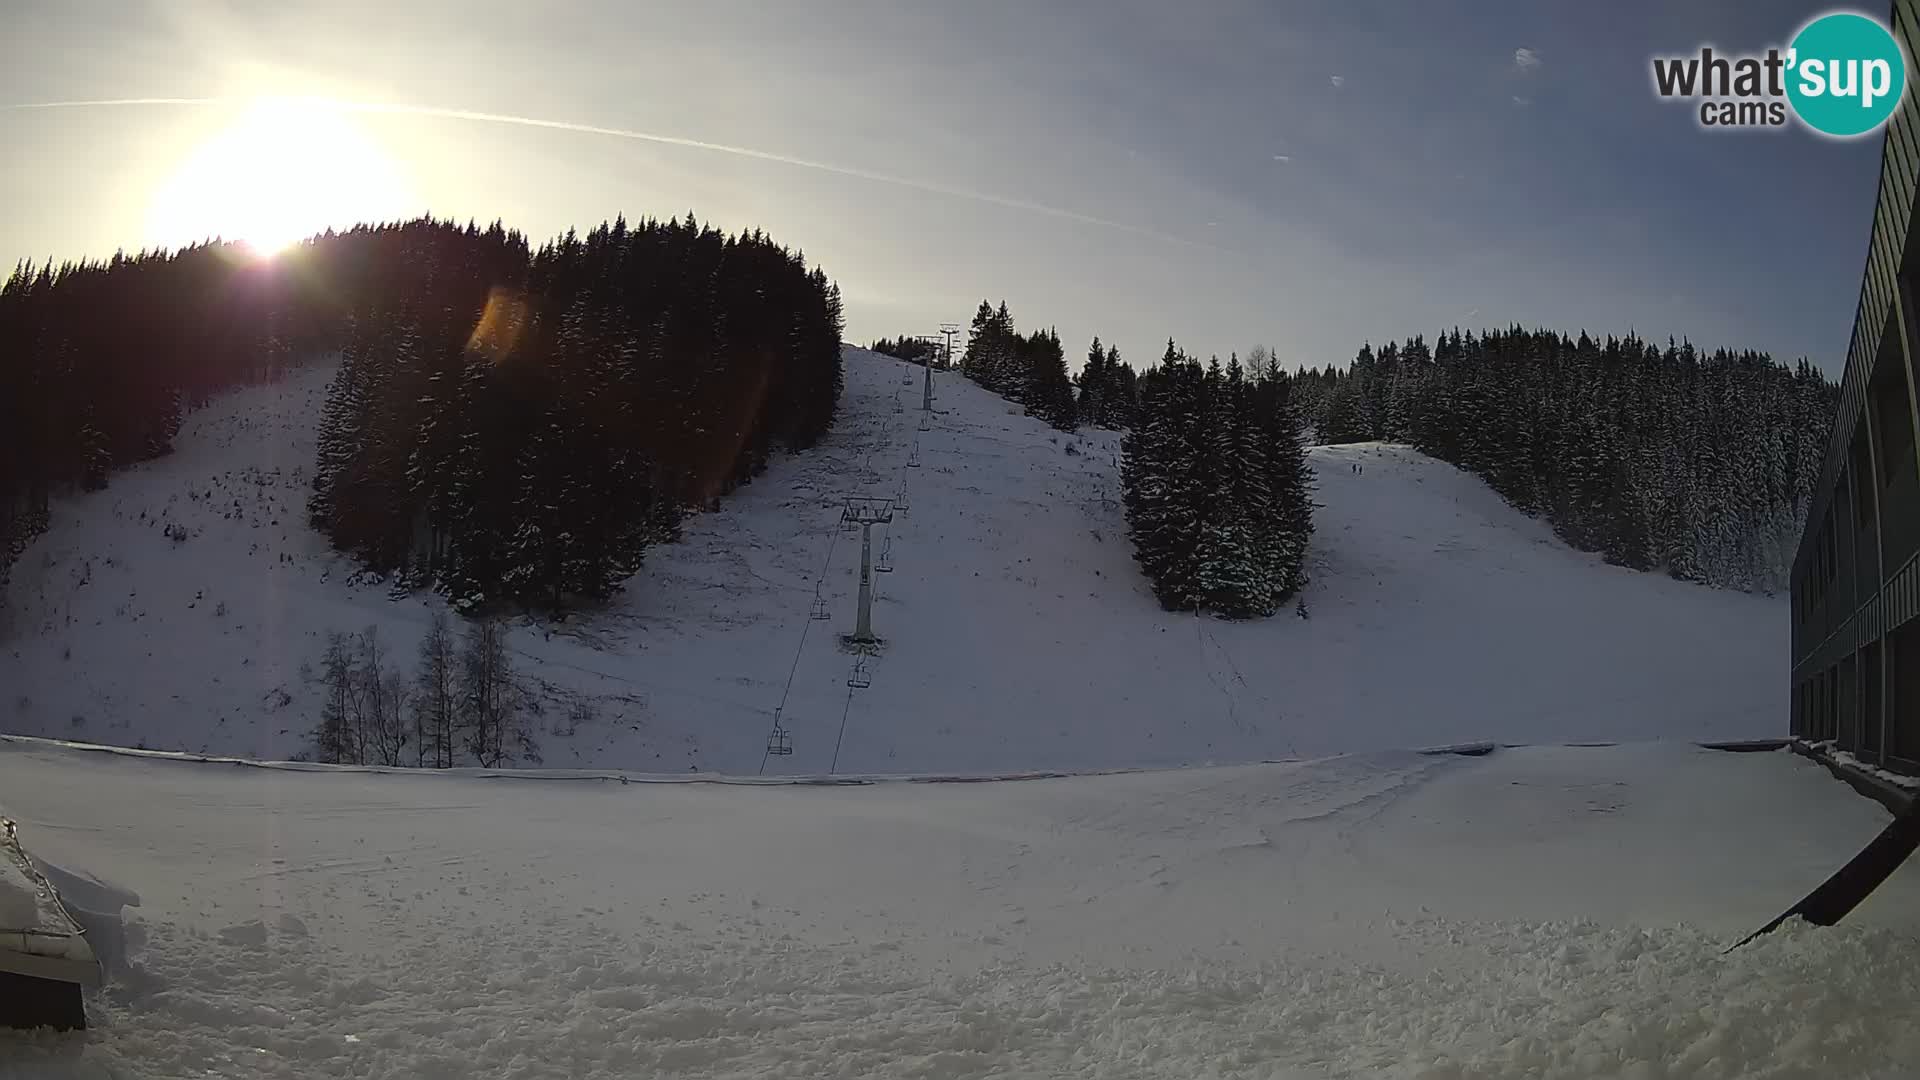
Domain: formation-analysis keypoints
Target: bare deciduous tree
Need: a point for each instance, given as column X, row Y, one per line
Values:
column 492, row 719
column 436, row 703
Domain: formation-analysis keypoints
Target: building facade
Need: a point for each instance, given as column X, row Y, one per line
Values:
column 1856, row 578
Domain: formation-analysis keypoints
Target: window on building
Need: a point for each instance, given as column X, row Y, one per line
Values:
column 1899, row 499
column 1870, row 698
column 1903, row 719
column 1862, row 475
column 1830, row 703
column 1863, row 549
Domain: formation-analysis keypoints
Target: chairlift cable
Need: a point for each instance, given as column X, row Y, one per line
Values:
column 832, row 539
column 847, row 708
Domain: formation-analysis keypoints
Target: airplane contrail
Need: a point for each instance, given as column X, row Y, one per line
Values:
column 651, row 137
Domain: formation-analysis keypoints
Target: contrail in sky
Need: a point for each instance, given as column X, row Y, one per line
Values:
column 651, row 137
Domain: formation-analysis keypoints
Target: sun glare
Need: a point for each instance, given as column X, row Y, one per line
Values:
column 283, row 170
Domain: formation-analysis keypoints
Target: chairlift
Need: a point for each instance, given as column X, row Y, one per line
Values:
column 913, row 457
column 860, row 679
column 900, row 501
column 819, row 613
column 926, row 422
column 780, row 742
column 885, row 565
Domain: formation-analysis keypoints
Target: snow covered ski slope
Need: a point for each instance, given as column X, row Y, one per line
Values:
column 177, row 608
column 1541, row 913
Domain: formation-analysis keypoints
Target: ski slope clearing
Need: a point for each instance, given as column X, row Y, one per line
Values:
column 1541, row 912
column 176, row 610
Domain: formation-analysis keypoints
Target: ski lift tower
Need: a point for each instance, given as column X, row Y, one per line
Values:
column 947, row 330
column 926, row 366
column 866, row 512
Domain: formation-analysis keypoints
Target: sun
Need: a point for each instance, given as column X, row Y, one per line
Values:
column 283, row 170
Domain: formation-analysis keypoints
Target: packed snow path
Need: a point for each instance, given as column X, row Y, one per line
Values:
column 177, row 609
column 1539, row 913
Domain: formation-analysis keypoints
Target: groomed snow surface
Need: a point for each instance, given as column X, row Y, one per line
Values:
column 1019, row 633
column 1540, row 912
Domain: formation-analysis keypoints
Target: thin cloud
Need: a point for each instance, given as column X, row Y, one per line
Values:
column 104, row 103
column 1526, row 60
column 1283, row 157
column 1522, row 101
column 853, row 172
column 1338, row 80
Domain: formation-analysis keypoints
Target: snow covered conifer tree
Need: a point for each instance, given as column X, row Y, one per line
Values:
column 1289, row 527
column 1124, row 390
column 1159, row 474
column 1235, row 571
column 1092, row 383
column 1049, row 393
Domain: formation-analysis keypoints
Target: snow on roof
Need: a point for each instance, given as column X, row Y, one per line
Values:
column 37, row 934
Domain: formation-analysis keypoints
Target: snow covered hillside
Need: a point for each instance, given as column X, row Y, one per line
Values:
column 1548, row 913
column 177, row 609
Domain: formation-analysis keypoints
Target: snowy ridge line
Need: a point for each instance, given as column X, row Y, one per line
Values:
column 620, row 777
column 604, row 775
column 1470, row 749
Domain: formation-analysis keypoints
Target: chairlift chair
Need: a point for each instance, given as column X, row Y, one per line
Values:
column 885, row 564
column 780, row 742
column 860, row 680
column 913, row 457
column 900, row 501
column 819, row 613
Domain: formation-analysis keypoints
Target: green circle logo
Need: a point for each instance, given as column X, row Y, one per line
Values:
column 1845, row 74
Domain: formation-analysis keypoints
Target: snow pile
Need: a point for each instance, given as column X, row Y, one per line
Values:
column 19, row 901
column 1553, row 1001
column 1019, row 633
column 38, row 934
column 1533, row 913
column 1842, row 757
column 26, row 908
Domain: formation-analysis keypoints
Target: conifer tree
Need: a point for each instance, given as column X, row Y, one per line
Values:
column 1158, row 478
column 1091, row 385
column 1700, row 464
column 1049, row 393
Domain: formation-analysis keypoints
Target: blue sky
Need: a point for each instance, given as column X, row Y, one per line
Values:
column 1227, row 173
